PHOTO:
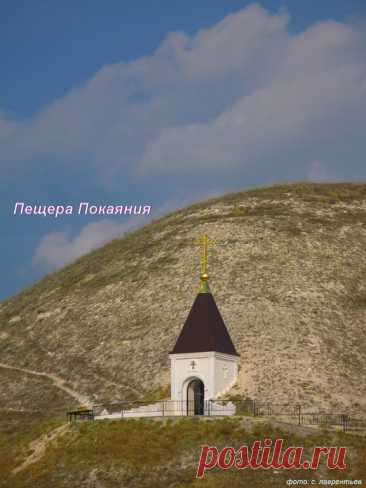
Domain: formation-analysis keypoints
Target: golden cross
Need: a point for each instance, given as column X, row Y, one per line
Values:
column 204, row 242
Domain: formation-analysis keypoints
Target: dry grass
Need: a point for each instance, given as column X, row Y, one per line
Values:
column 148, row 453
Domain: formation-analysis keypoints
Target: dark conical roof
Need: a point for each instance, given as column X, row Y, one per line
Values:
column 204, row 329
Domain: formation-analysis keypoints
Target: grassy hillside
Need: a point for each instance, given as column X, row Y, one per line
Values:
column 288, row 273
column 155, row 453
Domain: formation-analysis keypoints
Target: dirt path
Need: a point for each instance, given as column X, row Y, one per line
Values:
column 39, row 447
column 56, row 380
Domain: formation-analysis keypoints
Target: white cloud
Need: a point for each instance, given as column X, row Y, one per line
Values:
column 261, row 124
column 318, row 87
column 244, row 95
column 58, row 248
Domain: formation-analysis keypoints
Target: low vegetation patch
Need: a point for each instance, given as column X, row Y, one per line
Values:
column 163, row 453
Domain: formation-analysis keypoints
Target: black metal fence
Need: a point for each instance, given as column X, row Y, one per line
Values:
column 302, row 416
column 80, row 414
column 164, row 408
column 294, row 412
column 356, row 425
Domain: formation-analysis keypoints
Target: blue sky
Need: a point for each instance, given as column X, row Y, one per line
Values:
column 167, row 103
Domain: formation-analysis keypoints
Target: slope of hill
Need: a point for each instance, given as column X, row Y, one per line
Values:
column 288, row 272
column 164, row 453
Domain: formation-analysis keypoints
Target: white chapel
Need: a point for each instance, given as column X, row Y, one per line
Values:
column 204, row 361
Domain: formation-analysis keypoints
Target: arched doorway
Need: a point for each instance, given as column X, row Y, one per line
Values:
column 195, row 397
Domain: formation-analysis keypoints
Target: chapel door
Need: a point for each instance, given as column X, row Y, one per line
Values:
column 195, row 397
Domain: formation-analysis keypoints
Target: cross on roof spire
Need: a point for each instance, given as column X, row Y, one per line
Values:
column 204, row 330
column 204, row 242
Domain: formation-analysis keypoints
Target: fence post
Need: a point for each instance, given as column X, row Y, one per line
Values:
column 344, row 422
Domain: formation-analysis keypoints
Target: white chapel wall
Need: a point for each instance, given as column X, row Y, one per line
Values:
column 217, row 371
column 182, row 371
column 226, row 373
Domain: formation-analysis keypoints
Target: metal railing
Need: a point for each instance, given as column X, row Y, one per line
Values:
column 164, row 408
column 245, row 407
column 303, row 417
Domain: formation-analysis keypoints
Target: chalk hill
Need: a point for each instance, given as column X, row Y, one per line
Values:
column 288, row 273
